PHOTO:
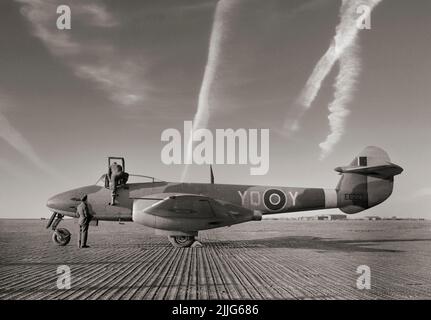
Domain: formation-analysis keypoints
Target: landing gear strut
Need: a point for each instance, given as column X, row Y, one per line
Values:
column 60, row 236
column 181, row 241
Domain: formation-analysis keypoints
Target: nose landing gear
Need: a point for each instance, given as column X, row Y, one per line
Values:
column 60, row 236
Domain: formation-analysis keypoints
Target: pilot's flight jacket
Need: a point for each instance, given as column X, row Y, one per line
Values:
column 83, row 214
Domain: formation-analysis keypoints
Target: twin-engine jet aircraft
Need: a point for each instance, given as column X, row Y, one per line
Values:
column 181, row 210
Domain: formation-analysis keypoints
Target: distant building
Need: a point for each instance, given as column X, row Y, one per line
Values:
column 374, row 218
column 332, row 217
column 307, row 218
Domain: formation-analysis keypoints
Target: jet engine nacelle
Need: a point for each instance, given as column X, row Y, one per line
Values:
column 189, row 213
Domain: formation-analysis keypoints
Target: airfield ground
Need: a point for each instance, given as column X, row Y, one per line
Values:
column 258, row 260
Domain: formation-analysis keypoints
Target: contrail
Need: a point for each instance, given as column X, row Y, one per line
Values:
column 344, row 41
column 13, row 137
column 218, row 32
column 350, row 68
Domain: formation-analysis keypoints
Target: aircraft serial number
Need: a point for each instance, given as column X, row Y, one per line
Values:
column 353, row 196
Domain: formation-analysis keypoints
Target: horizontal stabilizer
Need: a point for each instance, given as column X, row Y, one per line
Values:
column 383, row 170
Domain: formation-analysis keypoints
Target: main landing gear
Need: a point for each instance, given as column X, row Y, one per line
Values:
column 60, row 236
column 182, row 241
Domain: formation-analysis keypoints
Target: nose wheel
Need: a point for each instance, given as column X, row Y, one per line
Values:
column 60, row 236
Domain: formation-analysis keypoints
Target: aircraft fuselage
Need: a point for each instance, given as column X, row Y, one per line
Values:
column 265, row 200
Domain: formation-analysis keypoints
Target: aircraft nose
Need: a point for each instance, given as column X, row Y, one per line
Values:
column 62, row 202
column 54, row 202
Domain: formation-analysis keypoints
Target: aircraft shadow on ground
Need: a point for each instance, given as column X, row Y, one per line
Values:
column 312, row 243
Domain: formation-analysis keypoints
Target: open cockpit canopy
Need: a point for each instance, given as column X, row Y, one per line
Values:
column 133, row 178
column 125, row 178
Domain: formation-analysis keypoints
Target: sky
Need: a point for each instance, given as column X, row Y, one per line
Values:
column 128, row 70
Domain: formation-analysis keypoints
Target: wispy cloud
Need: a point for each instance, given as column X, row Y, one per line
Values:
column 42, row 16
column 220, row 29
column 97, row 14
column 121, row 77
column 343, row 48
column 14, row 138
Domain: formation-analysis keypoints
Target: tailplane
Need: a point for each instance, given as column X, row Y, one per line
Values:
column 367, row 181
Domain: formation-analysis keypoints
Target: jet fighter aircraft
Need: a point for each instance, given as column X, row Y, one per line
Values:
column 181, row 210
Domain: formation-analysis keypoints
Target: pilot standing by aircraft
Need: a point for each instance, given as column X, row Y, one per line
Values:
column 83, row 213
column 114, row 174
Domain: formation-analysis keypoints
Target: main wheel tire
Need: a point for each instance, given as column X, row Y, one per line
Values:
column 61, row 237
column 181, row 241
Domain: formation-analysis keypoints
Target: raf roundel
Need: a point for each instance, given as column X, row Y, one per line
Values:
column 274, row 199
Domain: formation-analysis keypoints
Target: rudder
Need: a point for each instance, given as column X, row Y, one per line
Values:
column 367, row 181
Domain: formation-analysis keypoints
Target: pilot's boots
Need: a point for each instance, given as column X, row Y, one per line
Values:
column 112, row 203
column 113, row 196
column 83, row 233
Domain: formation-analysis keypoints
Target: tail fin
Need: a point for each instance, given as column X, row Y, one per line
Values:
column 367, row 181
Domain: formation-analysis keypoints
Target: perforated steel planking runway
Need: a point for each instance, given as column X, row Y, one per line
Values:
column 258, row 260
